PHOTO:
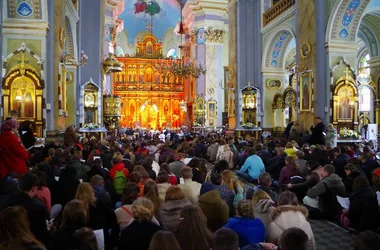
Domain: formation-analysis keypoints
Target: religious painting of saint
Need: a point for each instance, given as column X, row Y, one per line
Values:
column 344, row 107
column 149, row 48
column 305, row 91
column 250, row 101
column 211, row 110
column 305, row 50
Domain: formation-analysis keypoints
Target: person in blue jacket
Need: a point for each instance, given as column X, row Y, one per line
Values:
column 249, row 229
column 253, row 165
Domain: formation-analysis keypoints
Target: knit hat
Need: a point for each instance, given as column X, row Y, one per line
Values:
column 9, row 124
column 206, row 187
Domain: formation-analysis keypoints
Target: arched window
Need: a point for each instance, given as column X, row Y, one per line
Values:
column 365, row 98
column 363, row 62
column 171, row 53
column 119, row 51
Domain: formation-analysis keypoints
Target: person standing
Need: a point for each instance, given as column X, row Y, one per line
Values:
column 318, row 132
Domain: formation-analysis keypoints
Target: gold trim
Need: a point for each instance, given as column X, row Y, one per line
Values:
column 62, row 38
column 275, row 87
column 305, row 50
column 5, row 91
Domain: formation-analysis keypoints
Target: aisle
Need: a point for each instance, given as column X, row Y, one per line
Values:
column 329, row 236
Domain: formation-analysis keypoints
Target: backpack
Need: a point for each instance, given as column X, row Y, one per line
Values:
column 119, row 182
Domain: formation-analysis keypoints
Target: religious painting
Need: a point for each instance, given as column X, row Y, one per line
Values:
column 231, row 103
column 23, row 97
column 249, row 117
column 89, row 116
column 250, row 101
column 305, row 50
column 345, row 97
column 274, row 84
column 211, row 112
column 149, row 48
column 306, row 85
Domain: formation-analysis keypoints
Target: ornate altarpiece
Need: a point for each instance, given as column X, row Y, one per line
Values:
column 151, row 98
column 249, row 105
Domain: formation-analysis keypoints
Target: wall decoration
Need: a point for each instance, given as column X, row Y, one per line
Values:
column 201, row 36
column 274, row 84
column 24, row 9
column 305, row 50
column 306, row 84
column 211, row 111
column 62, row 38
column 147, row 8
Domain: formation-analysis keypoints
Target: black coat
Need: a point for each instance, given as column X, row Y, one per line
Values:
column 137, row 236
column 317, row 136
column 364, row 211
column 36, row 212
column 349, row 181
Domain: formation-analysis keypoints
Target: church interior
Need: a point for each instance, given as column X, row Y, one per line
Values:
column 156, row 64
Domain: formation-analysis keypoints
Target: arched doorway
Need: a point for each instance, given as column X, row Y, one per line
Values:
column 23, row 92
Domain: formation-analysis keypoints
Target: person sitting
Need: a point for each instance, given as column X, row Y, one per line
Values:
column 289, row 214
column 97, row 183
column 367, row 240
column 164, row 240
column 290, row 170
column 253, row 165
column 85, row 238
column 163, row 184
column 323, row 195
column 352, row 173
column 213, row 207
column 265, row 182
column 363, row 212
column 294, row 239
column 175, row 200
column 289, row 150
column 189, row 187
column 249, row 229
column 15, row 231
column 139, row 233
column 263, row 207
column 275, row 164
column 225, row 193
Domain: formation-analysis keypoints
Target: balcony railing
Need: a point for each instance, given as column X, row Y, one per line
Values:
column 276, row 10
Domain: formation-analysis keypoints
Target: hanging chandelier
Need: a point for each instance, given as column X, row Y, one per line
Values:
column 184, row 66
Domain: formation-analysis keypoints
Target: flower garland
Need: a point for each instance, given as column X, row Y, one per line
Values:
column 348, row 133
column 91, row 126
column 248, row 125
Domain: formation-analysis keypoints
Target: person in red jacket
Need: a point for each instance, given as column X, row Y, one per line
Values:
column 118, row 165
column 13, row 154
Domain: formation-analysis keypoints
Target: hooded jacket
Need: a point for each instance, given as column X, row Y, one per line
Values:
column 215, row 210
column 285, row 217
column 333, row 182
column 263, row 211
column 212, row 151
column 168, row 215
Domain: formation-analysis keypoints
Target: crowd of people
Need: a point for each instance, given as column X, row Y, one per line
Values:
column 182, row 192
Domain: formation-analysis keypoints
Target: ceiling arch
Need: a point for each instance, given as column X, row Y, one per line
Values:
column 275, row 52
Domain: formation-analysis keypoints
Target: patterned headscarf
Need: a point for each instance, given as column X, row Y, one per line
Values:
column 10, row 124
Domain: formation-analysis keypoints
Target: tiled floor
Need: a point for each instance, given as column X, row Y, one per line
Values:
column 330, row 237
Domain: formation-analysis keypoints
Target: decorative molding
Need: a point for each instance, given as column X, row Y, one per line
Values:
column 214, row 35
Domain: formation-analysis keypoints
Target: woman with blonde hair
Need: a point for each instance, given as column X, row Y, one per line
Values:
column 15, row 231
column 263, row 207
column 234, row 184
column 99, row 215
column 331, row 137
column 151, row 192
column 139, row 233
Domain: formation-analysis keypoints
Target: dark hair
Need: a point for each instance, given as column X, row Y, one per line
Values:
column 216, row 179
column 135, row 177
column 220, row 166
column 186, row 172
column 130, row 193
column 360, row 182
column 162, row 177
column 192, row 232
column 225, row 239
column 330, row 169
column 313, row 164
column 194, row 163
column 287, row 198
column 265, row 179
column 85, row 239
column 367, row 240
column 294, row 239
column 147, row 164
column 165, row 167
column 28, row 181
column 42, row 176
column 351, row 167
column 164, row 240
column 251, row 151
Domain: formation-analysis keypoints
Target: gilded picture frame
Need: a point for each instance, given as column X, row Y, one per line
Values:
column 211, row 110
column 305, row 50
column 274, row 84
column 306, row 87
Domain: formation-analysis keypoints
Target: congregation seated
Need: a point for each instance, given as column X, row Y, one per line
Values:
column 151, row 206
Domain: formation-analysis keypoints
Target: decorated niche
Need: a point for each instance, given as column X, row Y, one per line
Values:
column 345, row 104
column 278, row 107
column 290, row 103
column 211, row 112
column 22, row 90
column 200, row 111
column 91, row 104
column 249, row 105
